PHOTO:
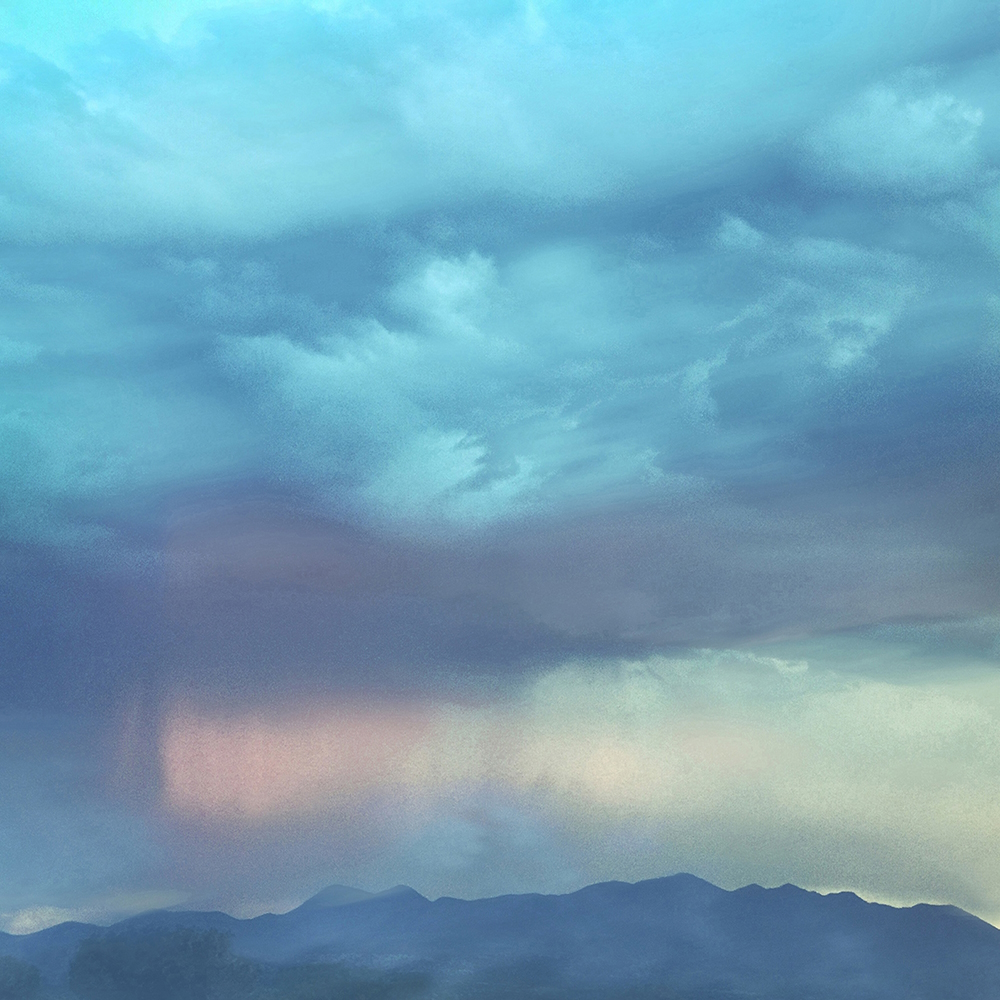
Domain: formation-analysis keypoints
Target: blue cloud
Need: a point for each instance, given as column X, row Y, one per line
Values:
column 473, row 276
column 253, row 121
column 420, row 347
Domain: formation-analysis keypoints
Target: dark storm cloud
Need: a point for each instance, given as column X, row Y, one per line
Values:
column 386, row 388
column 626, row 362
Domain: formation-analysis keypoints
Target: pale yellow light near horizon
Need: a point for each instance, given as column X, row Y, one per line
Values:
column 892, row 789
column 265, row 765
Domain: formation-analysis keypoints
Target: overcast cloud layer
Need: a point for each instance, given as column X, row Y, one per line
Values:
column 451, row 366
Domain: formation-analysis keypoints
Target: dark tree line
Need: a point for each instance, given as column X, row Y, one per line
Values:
column 170, row 965
column 198, row 965
column 18, row 980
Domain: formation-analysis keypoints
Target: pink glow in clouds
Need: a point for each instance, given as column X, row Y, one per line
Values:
column 257, row 767
column 268, row 765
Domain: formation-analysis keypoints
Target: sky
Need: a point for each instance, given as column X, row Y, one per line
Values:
column 497, row 446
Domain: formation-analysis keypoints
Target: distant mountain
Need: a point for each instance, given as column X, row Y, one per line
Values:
column 676, row 937
column 335, row 895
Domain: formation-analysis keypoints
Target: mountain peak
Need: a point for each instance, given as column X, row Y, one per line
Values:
column 399, row 891
column 677, row 935
column 335, row 895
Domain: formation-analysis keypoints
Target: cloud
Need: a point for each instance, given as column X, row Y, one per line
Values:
column 259, row 120
column 435, row 367
column 424, row 348
column 94, row 418
column 253, row 769
column 904, row 142
column 106, row 910
column 471, row 410
column 744, row 765
column 571, row 375
column 751, row 431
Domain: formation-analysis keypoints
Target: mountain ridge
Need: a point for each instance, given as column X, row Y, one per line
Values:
column 678, row 932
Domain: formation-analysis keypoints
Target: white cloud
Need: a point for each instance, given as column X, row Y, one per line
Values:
column 902, row 140
column 104, row 910
column 252, row 120
column 445, row 477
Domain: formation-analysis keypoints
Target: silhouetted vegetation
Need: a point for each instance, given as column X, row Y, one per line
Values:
column 337, row 982
column 169, row 965
column 198, row 965
column 18, row 980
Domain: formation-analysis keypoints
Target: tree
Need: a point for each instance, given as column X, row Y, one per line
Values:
column 18, row 980
column 167, row 965
column 328, row 981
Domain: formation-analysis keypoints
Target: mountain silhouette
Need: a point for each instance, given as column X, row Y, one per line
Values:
column 676, row 937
